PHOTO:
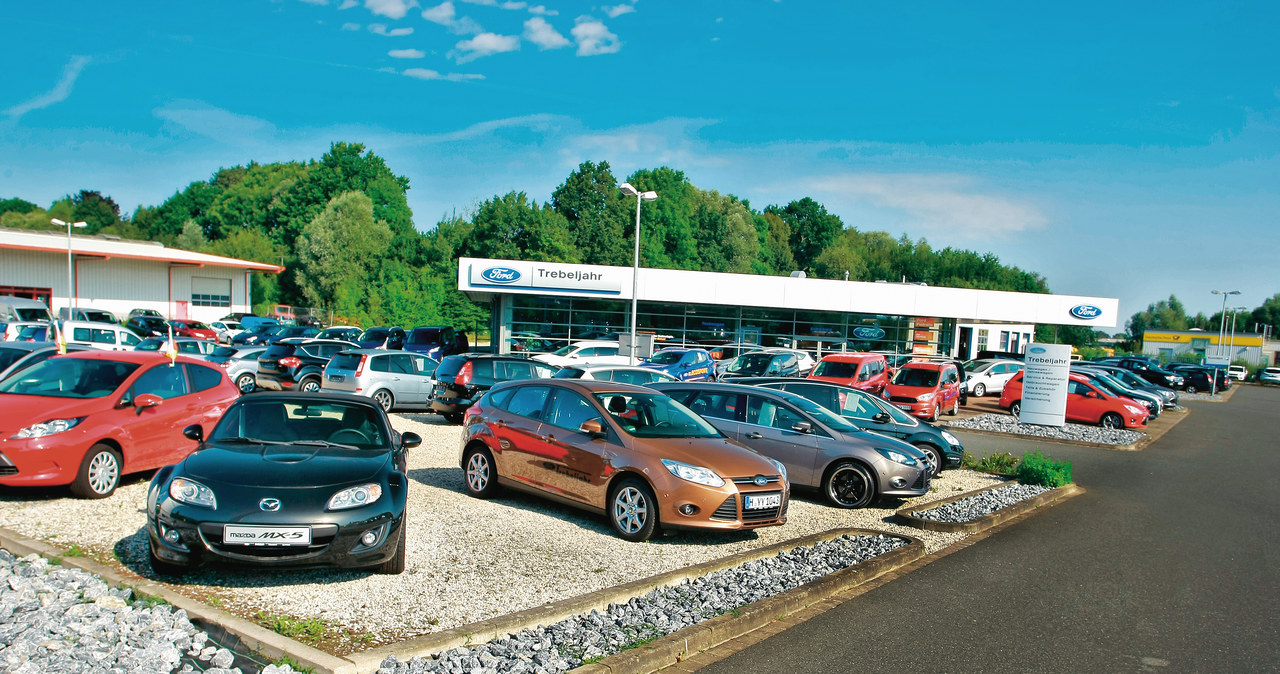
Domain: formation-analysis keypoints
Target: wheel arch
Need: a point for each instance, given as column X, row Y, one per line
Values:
column 113, row 444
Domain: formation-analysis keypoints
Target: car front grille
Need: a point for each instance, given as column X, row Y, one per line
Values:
column 769, row 479
column 321, row 536
column 922, row 481
column 727, row 510
column 5, row 471
column 762, row 515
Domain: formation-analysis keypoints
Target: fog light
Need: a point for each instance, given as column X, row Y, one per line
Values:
column 369, row 538
column 172, row 536
column 688, row 509
column 898, row 483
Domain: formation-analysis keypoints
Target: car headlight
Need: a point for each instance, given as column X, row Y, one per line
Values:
column 782, row 470
column 1134, row 410
column 896, row 456
column 925, row 397
column 354, row 497
column 192, row 493
column 695, row 474
column 46, row 428
column 950, row 438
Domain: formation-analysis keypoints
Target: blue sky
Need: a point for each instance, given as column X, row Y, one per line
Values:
column 1125, row 150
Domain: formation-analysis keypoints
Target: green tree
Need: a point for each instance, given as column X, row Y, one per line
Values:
column 812, row 229
column 844, row 256
column 597, row 213
column 666, row 225
column 94, row 209
column 191, row 238
column 774, row 235
column 1162, row 315
column 512, row 227
column 341, row 248
column 16, row 205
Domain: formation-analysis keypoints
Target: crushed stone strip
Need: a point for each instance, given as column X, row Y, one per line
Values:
column 979, row 505
column 1006, row 423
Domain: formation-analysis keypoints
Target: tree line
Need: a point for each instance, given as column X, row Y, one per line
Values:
column 342, row 228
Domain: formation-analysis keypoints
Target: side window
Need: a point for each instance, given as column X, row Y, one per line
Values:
column 764, row 412
column 380, row 364
column 104, row 336
column 81, row 335
column 606, row 350
column 543, row 372
column 508, row 371
column 424, row 366
column 165, row 381
column 402, row 363
column 716, row 405
column 569, row 410
column 1017, row 367
column 528, row 401
column 587, row 352
column 189, row 347
column 818, row 394
column 500, row 399
column 129, row 339
column 202, row 378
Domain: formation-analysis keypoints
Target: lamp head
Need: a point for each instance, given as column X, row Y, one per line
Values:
column 630, row 191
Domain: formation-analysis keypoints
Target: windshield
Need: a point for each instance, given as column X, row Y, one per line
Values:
column 751, row 364
column 834, row 368
column 33, row 333
column 196, row 325
column 374, row 335
column 975, row 366
column 35, row 314
column 666, row 357
column 569, row 373
column 914, row 376
column 425, row 336
column 69, row 378
column 10, row 356
column 653, row 415
column 565, row 350
column 150, row 344
column 352, row 425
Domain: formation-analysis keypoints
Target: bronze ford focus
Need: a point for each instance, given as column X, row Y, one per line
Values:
column 631, row 453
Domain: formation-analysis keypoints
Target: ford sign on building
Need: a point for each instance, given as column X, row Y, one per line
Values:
column 502, row 275
column 1086, row 311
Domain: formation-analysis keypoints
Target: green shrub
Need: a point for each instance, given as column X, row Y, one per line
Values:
column 1003, row 463
column 1037, row 468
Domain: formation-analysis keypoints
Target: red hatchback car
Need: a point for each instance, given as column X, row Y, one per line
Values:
column 183, row 328
column 1085, row 404
column 864, row 371
column 925, row 389
column 89, row 417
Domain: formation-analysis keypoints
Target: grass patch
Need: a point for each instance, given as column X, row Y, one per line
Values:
column 1002, row 463
column 148, row 601
column 307, row 630
column 74, row 551
column 1036, row 468
column 293, row 664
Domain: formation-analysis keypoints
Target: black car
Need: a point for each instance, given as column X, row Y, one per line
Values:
column 297, row 364
column 1132, row 380
column 382, row 338
column 1147, row 369
column 148, row 326
column 257, row 336
column 762, row 364
column 1198, row 378
column 873, row 413
column 462, row 378
column 285, row 480
column 437, row 342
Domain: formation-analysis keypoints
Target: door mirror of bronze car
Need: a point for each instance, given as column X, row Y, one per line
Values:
column 145, row 400
column 802, row 427
column 194, row 432
column 881, row 418
column 409, row 440
column 592, row 427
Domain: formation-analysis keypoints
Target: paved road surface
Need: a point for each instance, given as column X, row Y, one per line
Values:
column 1170, row 563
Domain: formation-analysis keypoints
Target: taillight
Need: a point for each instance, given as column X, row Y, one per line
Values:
column 360, row 367
column 226, row 364
column 464, row 375
column 290, row 361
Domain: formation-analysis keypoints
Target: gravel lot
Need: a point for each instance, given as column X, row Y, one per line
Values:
column 1006, row 423
column 468, row 559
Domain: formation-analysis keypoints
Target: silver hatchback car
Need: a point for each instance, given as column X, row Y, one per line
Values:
column 394, row 379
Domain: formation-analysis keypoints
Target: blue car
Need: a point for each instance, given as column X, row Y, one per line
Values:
column 683, row 364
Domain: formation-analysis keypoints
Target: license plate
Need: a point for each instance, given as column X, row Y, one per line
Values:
column 763, row 501
column 238, row 534
column 906, row 408
column 337, row 377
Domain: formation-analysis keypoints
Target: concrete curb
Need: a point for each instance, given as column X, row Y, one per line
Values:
column 672, row 648
column 903, row 515
column 1151, row 435
column 255, row 636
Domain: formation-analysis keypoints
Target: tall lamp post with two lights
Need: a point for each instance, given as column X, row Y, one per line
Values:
column 71, row 293
column 631, row 191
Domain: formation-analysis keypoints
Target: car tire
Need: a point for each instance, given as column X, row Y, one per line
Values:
column 935, row 455
column 479, row 474
column 309, row 385
column 1191, row 388
column 384, row 399
column 247, row 383
column 1015, row 408
column 936, row 411
column 633, row 510
column 849, row 485
column 453, row 417
column 395, row 565
column 955, row 407
column 979, row 390
column 99, row 473
column 163, row 568
column 1111, row 420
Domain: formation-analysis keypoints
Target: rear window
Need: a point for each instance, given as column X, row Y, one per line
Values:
column 10, row 356
column 575, row 373
column 279, row 351
column 345, row 361
column 203, row 378
column 224, row 352
column 425, row 336
column 834, row 368
column 450, row 366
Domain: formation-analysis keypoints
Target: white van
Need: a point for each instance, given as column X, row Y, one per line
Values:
column 105, row 336
column 23, row 309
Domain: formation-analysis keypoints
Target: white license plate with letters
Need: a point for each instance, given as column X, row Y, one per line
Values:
column 763, row 501
column 239, row 534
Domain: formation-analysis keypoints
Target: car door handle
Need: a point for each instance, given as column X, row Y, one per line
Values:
column 754, row 435
column 548, row 438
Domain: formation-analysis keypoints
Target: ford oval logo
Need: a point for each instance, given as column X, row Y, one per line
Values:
column 1085, row 311
column 1038, row 349
column 761, row 480
column 269, row 504
column 500, row 275
column 868, row 333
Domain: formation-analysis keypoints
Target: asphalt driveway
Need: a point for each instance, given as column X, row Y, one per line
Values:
column 1170, row 562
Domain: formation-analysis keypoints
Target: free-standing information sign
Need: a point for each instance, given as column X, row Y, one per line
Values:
column 1045, row 376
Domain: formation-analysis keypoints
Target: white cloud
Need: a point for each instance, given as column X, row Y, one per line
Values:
column 57, row 94
column 222, row 126
column 514, row 5
column 594, row 38
column 484, row 44
column 935, row 202
column 392, row 9
column 446, row 15
column 316, row 2
column 539, row 32
column 350, row 26
column 427, row 74
column 381, row 29
column 618, row 10
column 486, row 3
column 406, row 53
column 348, row 4
column 541, row 10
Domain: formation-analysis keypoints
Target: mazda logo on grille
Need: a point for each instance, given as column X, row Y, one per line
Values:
column 761, row 480
column 269, row 504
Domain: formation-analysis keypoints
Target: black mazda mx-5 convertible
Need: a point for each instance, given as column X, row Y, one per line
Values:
column 285, row 479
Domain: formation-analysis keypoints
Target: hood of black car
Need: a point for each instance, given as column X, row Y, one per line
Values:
column 284, row 465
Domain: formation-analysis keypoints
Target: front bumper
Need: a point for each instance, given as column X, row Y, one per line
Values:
column 914, row 481
column 685, row 505
column 52, row 460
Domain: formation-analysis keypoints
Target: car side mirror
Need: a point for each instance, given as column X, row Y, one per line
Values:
column 409, row 440
column 803, row 427
column 194, row 432
column 864, row 376
column 881, row 418
column 145, row 400
column 592, row 427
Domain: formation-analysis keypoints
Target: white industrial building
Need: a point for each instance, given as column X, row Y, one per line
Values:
column 118, row 275
column 536, row 305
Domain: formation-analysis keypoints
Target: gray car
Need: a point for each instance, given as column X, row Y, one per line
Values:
column 394, row 379
column 241, row 364
column 851, row 467
column 15, row 356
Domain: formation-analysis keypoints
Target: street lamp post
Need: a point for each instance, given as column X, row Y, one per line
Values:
column 71, row 293
column 631, row 191
column 1234, row 312
column 1222, row 330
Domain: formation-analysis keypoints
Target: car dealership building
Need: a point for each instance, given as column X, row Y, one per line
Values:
column 118, row 275
column 541, row 305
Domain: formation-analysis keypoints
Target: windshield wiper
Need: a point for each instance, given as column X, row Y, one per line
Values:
column 323, row 443
column 251, row 441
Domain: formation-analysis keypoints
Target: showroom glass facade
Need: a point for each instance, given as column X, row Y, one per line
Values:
column 539, row 323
